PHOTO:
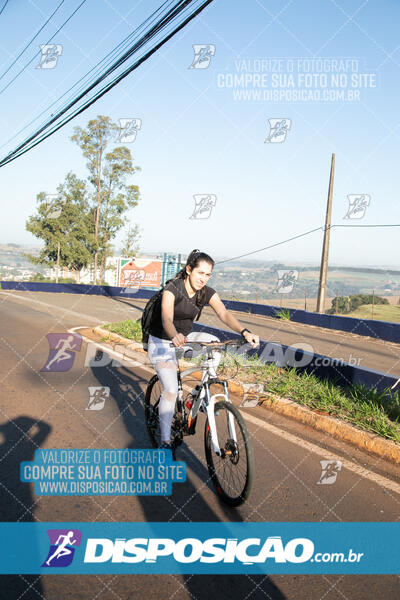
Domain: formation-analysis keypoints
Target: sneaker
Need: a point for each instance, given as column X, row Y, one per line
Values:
column 168, row 446
column 165, row 446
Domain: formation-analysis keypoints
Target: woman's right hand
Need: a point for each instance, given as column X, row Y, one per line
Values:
column 179, row 340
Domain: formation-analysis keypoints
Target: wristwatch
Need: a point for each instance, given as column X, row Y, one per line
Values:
column 243, row 330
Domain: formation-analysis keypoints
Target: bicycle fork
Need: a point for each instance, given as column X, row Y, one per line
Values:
column 211, row 418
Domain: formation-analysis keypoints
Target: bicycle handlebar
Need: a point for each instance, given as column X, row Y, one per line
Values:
column 194, row 345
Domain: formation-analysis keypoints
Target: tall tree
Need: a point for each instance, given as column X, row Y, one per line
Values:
column 119, row 197
column 65, row 226
column 108, row 172
column 130, row 243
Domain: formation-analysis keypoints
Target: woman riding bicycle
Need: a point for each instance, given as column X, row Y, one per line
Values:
column 182, row 299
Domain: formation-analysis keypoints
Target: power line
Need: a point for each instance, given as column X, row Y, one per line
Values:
column 39, row 52
column 96, row 68
column 4, row 5
column 151, row 33
column 390, row 225
column 296, row 237
column 170, row 16
column 34, row 37
column 272, row 246
column 39, row 135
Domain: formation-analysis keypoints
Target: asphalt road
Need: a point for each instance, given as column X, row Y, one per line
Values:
column 47, row 410
column 358, row 350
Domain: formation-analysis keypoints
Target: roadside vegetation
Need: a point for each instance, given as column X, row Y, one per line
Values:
column 377, row 412
column 365, row 306
column 283, row 314
column 373, row 411
column 382, row 312
column 129, row 329
column 343, row 305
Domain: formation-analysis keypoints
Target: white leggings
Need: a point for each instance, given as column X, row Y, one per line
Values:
column 163, row 359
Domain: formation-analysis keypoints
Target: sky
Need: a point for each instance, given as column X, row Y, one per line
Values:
column 250, row 129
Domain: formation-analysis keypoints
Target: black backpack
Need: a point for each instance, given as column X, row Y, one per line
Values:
column 151, row 308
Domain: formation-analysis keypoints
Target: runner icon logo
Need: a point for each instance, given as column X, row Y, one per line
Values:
column 97, row 397
column 63, row 543
column 286, row 280
column 278, row 129
column 203, row 205
column 330, row 470
column 50, row 53
column 203, row 54
column 251, row 394
column 358, row 204
column 62, row 351
column 128, row 129
column 54, row 202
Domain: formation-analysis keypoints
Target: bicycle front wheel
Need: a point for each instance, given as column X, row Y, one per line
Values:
column 232, row 470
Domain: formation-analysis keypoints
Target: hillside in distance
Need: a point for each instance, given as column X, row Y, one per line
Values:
column 261, row 281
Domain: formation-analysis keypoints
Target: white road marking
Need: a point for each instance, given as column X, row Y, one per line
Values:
column 325, row 454
column 52, row 306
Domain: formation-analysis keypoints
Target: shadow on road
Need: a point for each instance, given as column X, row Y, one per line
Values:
column 125, row 301
column 20, row 438
column 187, row 502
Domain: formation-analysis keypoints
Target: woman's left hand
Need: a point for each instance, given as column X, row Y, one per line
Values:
column 252, row 339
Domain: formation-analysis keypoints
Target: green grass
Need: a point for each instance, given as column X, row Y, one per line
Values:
column 377, row 412
column 284, row 314
column 129, row 329
column 382, row 312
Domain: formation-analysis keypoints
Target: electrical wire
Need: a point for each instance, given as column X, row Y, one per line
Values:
column 122, row 59
column 271, row 246
column 299, row 236
column 40, row 135
column 383, row 225
column 4, row 5
column 96, row 68
column 34, row 37
column 39, row 52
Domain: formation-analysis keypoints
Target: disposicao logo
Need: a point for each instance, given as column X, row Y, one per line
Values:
column 191, row 550
column 62, row 547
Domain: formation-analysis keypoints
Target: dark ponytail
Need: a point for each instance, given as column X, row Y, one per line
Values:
column 193, row 261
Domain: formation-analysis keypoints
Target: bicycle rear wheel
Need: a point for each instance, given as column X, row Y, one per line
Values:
column 151, row 407
column 232, row 471
column 151, row 403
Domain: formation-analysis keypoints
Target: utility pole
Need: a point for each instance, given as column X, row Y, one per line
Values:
column 373, row 302
column 323, row 274
column 58, row 261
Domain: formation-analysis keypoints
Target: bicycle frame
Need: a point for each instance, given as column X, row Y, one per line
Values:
column 206, row 401
column 227, row 442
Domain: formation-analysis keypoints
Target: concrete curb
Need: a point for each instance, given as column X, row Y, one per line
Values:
column 338, row 429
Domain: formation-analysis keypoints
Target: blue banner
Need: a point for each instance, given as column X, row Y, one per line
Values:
column 201, row 548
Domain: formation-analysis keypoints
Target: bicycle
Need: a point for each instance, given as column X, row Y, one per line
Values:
column 227, row 443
